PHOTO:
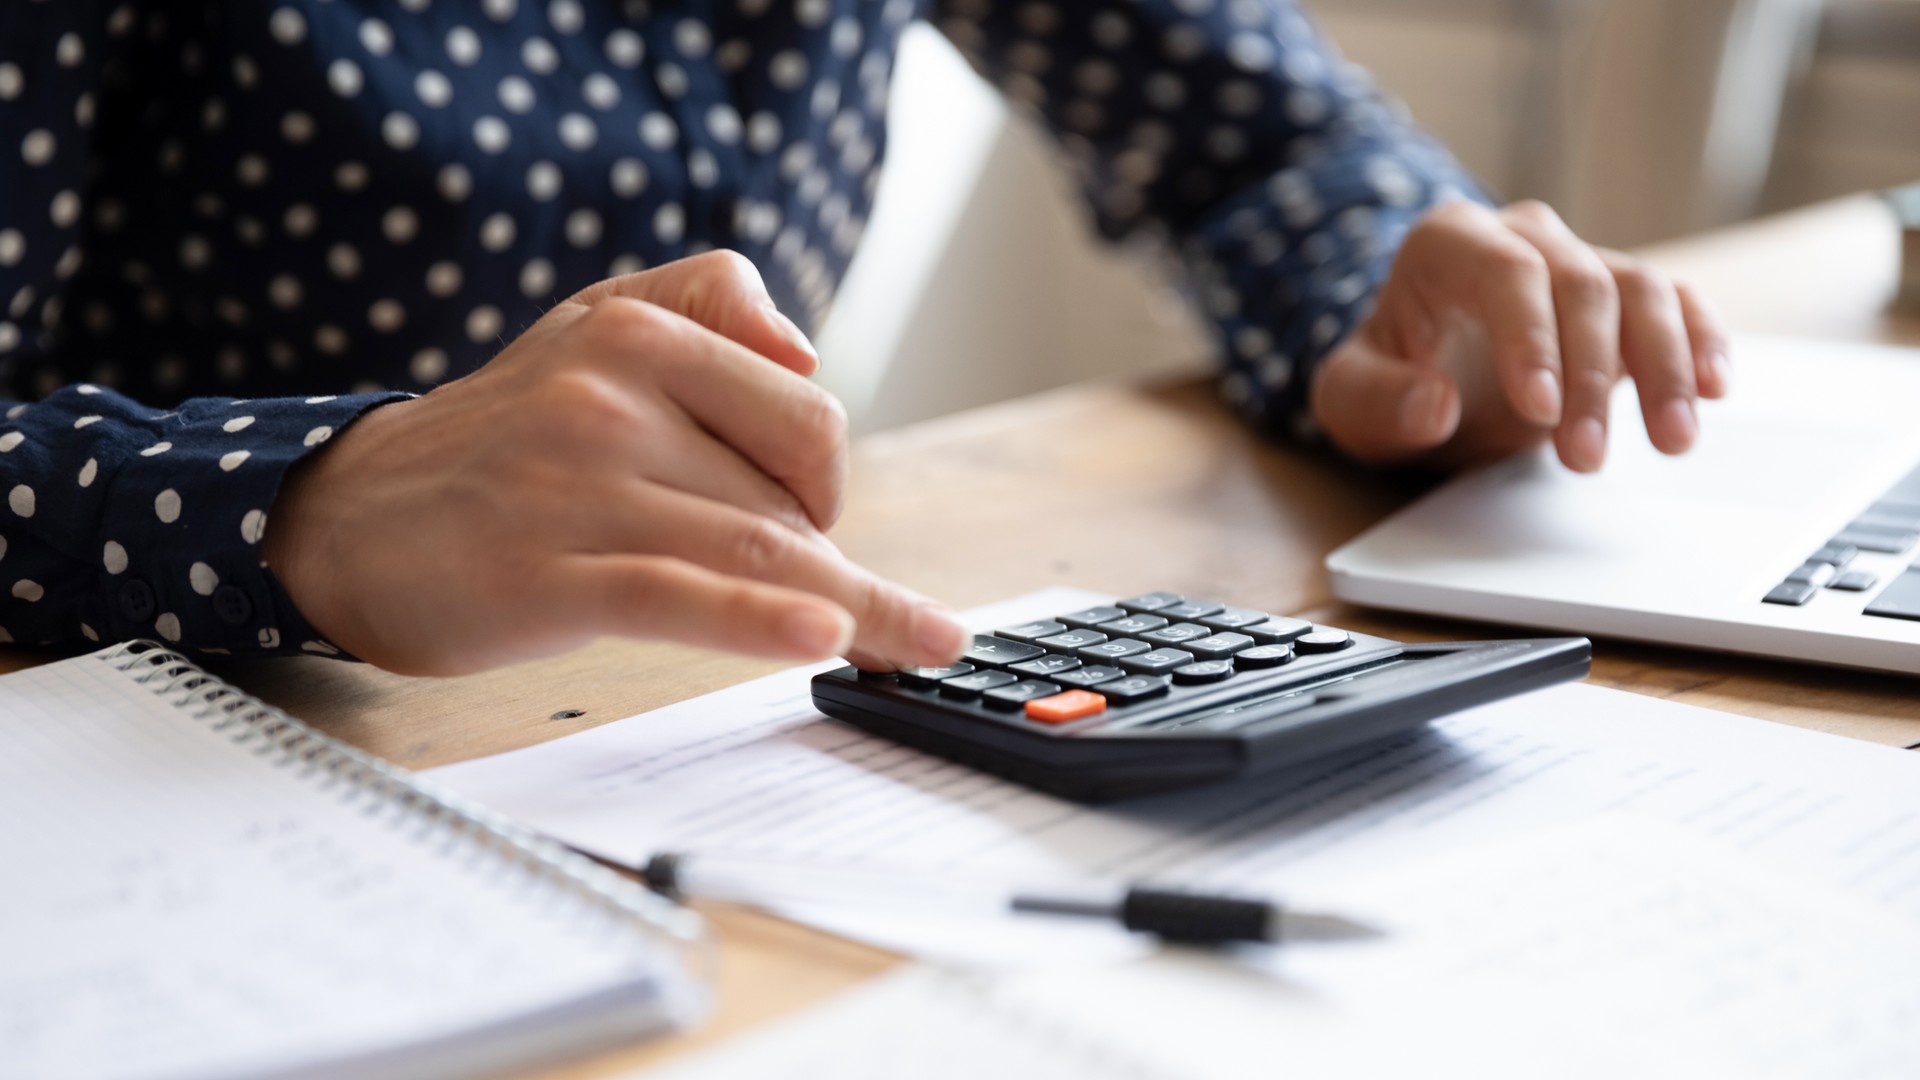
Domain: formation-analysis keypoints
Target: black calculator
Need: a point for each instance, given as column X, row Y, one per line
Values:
column 1163, row 691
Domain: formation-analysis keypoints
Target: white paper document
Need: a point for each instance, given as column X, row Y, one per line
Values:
column 1603, row 949
column 756, row 769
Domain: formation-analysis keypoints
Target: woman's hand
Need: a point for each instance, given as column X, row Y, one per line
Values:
column 647, row 460
column 1498, row 329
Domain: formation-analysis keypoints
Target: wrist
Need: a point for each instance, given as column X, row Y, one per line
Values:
column 300, row 546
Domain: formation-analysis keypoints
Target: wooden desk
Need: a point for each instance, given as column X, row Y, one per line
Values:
column 1142, row 487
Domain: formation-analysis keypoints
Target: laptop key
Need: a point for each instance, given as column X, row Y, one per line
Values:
column 990, row 651
column 1813, row 573
column 1900, row 599
column 1791, row 593
column 1853, row 581
column 1877, row 539
column 1835, row 555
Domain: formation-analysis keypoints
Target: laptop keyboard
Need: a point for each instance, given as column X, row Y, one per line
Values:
column 1891, row 526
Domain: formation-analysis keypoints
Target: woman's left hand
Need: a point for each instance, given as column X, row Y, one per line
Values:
column 1497, row 329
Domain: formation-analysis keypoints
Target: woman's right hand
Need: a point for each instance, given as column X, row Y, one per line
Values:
column 647, row 460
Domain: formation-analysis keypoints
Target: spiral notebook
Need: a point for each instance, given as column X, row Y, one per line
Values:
column 194, row 884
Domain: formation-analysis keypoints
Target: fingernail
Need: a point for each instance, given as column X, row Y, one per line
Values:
column 938, row 632
column 1678, row 417
column 816, row 631
column 1423, row 414
column 1722, row 369
column 791, row 331
column 1540, row 398
column 1587, row 444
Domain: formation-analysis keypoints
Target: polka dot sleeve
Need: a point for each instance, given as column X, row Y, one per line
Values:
column 124, row 521
column 1229, row 128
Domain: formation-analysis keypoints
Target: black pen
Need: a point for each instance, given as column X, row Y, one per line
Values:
column 1190, row 918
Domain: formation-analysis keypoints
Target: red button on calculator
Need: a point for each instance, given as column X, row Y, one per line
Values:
column 1061, row 708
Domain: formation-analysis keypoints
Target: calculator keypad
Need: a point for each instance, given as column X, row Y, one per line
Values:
column 1087, row 663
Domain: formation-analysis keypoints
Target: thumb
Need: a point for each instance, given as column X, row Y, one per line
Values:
column 1380, row 408
column 722, row 291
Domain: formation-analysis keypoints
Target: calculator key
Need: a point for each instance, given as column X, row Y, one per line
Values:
column 1071, row 705
column 1323, row 640
column 1133, row 625
column 991, row 651
column 1203, row 671
column 1853, row 581
column 1219, row 645
column 1091, row 675
column 1030, row 632
column 1899, row 600
column 966, row 686
column 1152, row 601
column 1113, row 650
column 1157, row 662
column 1792, row 594
column 1018, row 694
column 1836, row 555
column 1263, row 656
column 1046, row 667
column 1092, row 616
column 1278, row 631
column 926, row 678
column 1072, row 640
column 1176, row 634
column 1234, row 618
column 1190, row 610
column 1133, row 688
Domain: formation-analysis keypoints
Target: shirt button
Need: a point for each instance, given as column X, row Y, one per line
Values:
column 136, row 600
column 232, row 604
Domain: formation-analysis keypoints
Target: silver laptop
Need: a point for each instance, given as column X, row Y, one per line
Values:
column 1790, row 530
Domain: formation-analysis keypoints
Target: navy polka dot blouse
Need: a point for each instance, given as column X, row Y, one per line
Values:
column 227, row 227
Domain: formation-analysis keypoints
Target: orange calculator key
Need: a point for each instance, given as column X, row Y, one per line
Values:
column 1061, row 708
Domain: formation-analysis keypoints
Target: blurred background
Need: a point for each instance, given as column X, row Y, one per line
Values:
column 979, row 279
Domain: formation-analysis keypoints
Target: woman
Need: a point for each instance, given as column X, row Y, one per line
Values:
column 237, row 237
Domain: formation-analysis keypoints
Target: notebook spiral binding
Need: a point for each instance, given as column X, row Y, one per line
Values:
column 248, row 720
